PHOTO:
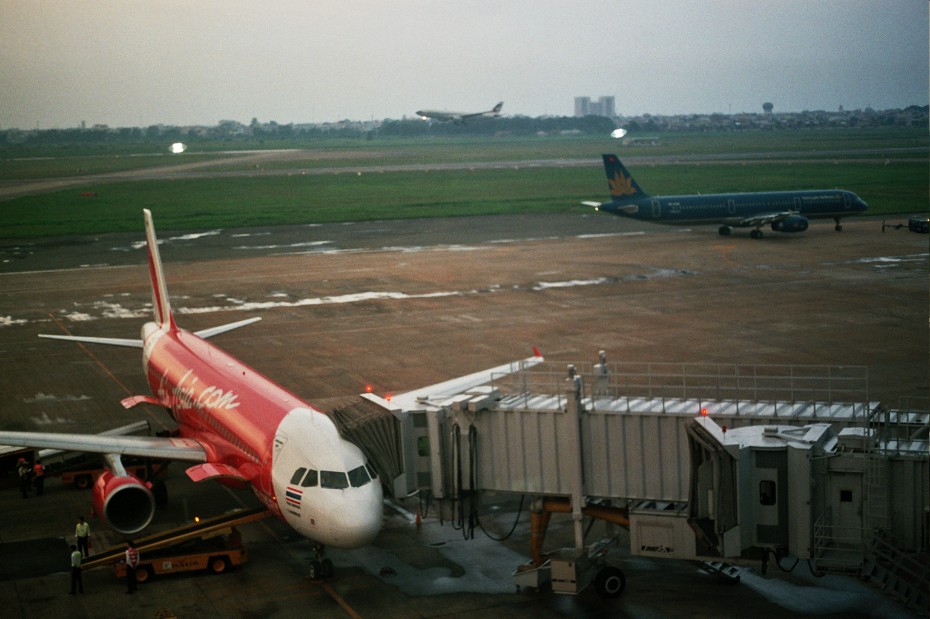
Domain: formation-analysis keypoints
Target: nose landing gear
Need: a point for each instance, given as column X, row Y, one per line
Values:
column 321, row 568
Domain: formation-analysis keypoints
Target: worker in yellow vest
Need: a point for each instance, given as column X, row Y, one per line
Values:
column 82, row 535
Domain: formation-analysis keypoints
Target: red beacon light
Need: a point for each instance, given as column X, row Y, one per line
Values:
column 704, row 411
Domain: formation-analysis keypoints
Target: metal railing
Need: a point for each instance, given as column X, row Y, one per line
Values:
column 695, row 381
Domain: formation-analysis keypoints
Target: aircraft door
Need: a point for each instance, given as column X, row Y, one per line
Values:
column 797, row 203
column 731, row 207
column 656, row 209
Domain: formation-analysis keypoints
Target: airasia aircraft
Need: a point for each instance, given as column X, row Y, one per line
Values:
column 236, row 426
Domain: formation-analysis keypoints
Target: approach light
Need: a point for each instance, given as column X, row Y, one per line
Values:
column 618, row 133
column 178, row 148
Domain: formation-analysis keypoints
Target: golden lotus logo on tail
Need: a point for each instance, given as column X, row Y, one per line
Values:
column 621, row 185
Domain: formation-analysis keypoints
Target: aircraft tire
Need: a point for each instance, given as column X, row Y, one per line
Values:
column 756, row 234
column 724, row 230
column 610, row 582
column 316, row 570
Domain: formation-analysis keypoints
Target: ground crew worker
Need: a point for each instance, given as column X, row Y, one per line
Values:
column 77, row 581
column 132, row 562
column 23, row 470
column 82, row 533
column 39, row 471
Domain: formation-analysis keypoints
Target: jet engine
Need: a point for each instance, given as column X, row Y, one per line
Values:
column 126, row 502
column 791, row 223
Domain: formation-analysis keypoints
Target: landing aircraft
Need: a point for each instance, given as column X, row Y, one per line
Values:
column 458, row 117
column 236, row 426
column 784, row 211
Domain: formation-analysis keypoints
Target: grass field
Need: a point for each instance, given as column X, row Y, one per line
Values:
column 882, row 166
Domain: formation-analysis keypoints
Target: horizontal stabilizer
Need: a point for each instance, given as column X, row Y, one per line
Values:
column 629, row 209
column 207, row 333
column 111, row 341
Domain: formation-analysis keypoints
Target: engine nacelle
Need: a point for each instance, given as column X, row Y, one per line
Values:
column 126, row 502
column 791, row 223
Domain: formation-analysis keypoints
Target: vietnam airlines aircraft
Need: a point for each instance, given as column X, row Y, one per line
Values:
column 235, row 426
column 458, row 117
column 784, row 211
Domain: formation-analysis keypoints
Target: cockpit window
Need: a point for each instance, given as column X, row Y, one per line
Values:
column 371, row 471
column 359, row 477
column 333, row 479
column 311, row 479
column 298, row 475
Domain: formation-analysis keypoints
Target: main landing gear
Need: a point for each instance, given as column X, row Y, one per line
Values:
column 839, row 226
column 321, row 568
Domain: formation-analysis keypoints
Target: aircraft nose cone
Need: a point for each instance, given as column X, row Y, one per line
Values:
column 357, row 523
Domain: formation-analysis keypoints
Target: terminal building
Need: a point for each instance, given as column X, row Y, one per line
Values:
column 722, row 463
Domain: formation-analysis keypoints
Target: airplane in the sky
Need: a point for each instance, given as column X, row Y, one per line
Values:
column 783, row 211
column 236, row 426
column 458, row 117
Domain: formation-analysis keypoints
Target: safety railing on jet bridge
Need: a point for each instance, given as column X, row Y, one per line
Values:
column 738, row 383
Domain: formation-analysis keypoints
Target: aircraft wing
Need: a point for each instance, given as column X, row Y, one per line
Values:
column 146, row 446
column 446, row 389
column 763, row 219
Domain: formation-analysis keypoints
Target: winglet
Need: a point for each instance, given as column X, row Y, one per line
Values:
column 536, row 352
column 160, row 305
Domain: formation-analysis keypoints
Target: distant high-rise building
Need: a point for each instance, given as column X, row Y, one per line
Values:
column 602, row 107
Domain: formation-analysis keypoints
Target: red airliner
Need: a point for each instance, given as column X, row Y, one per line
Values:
column 237, row 426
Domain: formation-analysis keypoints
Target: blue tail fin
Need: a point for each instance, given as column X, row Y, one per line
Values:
column 622, row 186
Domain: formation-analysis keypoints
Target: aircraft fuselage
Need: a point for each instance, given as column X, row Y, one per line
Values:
column 733, row 208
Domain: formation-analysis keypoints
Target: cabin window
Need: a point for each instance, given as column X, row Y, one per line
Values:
column 359, row 477
column 767, row 492
column 311, row 479
column 298, row 475
column 333, row 479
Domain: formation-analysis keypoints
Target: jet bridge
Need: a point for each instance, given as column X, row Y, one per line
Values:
column 830, row 471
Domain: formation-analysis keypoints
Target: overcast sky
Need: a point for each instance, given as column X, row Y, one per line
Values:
column 143, row 62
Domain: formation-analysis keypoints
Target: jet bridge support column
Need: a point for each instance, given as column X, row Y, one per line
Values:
column 574, row 409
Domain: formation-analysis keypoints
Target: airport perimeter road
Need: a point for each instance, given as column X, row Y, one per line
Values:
column 408, row 306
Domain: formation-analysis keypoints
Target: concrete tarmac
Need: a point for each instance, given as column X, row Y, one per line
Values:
column 403, row 304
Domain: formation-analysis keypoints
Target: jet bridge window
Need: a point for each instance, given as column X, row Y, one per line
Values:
column 333, row 479
column 359, row 477
column 767, row 492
